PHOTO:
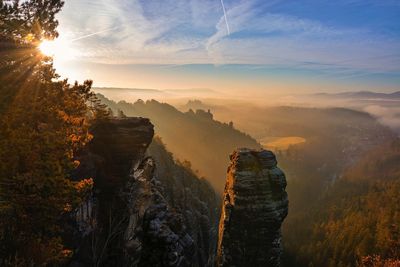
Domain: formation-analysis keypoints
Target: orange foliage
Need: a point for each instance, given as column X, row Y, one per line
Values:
column 377, row 261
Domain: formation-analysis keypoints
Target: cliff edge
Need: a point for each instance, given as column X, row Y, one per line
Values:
column 145, row 208
column 255, row 204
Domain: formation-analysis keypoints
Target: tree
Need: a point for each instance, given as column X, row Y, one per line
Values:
column 44, row 121
column 121, row 114
column 23, row 25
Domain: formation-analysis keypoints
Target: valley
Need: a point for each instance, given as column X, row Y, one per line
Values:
column 316, row 147
column 281, row 143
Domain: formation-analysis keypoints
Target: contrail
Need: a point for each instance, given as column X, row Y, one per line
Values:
column 226, row 19
column 95, row 33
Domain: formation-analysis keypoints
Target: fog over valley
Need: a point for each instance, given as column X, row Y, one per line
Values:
column 383, row 106
column 199, row 133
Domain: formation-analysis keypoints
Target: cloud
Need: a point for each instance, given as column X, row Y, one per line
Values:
column 194, row 32
column 287, row 40
column 389, row 116
column 143, row 31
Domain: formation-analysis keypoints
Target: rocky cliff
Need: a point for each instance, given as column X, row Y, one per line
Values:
column 145, row 209
column 254, row 206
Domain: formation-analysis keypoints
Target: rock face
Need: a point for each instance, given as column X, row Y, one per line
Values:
column 174, row 222
column 254, row 206
column 155, row 235
column 192, row 198
column 145, row 209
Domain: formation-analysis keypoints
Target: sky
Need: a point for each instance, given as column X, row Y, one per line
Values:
column 260, row 46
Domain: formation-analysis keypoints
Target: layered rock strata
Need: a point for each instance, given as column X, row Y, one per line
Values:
column 255, row 204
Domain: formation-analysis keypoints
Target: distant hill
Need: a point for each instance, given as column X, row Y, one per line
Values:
column 132, row 94
column 141, row 90
column 194, row 135
column 383, row 106
column 361, row 95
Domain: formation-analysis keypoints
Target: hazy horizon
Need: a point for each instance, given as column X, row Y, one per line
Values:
column 384, row 107
column 183, row 94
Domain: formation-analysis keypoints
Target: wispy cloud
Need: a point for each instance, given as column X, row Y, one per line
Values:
column 195, row 32
column 286, row 40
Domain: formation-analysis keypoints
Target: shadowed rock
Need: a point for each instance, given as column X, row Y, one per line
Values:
column 145, row 209
column 254, row 206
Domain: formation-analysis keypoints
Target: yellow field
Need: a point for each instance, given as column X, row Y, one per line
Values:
column 281, row 143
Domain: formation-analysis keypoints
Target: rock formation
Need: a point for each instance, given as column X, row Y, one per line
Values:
column 254, row 206
column 148, row 210
column 144, row 210
column 155, row 235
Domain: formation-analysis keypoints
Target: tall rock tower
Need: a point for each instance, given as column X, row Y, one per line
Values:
column 255, row 204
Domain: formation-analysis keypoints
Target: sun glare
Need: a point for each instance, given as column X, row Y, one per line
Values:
column 48, row 48
column 59, row 49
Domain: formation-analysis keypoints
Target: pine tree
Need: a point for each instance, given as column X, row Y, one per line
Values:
column 44, row 121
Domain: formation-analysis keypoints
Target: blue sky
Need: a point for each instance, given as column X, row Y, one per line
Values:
column 273, row 45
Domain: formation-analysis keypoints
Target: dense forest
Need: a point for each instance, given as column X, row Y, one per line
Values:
column 356, row 220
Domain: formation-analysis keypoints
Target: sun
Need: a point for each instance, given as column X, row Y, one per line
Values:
column 59, row 49
column 48, row 48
